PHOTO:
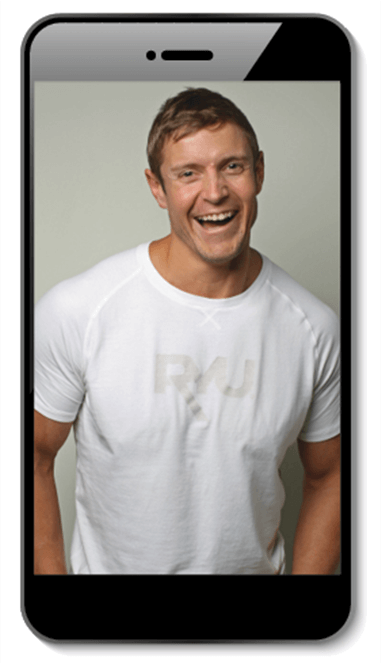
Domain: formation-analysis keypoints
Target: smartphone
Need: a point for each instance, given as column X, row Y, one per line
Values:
column 91, row 88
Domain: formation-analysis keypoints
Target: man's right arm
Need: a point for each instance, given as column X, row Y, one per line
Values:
column 49, row 436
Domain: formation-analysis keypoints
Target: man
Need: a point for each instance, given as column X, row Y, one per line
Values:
column 188, row 366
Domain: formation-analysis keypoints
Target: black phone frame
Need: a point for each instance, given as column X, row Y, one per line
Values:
column 197, row 609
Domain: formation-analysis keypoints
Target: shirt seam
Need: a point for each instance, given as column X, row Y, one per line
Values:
column 99, row 307
column 300, row 310
column 304, row 319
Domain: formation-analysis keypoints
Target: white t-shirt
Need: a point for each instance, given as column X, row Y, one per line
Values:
column 184, row 407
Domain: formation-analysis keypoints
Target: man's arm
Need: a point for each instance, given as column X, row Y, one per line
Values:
column 49, row 436
column 317, row 538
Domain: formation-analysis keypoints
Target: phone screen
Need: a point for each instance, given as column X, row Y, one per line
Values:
column 92, row 89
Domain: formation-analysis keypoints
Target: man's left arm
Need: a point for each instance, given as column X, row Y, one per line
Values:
column 317, row 537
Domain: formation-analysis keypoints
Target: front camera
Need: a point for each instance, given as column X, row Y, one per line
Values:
column 151, row 55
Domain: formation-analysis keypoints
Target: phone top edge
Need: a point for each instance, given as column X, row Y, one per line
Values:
column 35, row 28
column 50, row 19
column 342, row 29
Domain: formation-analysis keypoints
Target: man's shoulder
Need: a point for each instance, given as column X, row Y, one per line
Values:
column 303, row 302
column 79, row 295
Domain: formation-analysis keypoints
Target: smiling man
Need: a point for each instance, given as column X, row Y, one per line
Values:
column 209, row 183
column 188, row 366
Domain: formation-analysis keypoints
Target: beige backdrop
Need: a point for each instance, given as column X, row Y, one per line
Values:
column 92, row 200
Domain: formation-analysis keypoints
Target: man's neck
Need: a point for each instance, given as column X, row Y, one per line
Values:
column 200, row 278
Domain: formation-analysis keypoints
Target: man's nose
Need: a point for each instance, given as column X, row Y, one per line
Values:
column 214, row 187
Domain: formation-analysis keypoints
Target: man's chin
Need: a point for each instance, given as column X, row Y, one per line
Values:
column 221, row 257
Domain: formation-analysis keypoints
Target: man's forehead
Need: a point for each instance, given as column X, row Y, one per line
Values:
column 190, row 130
column 182, row 138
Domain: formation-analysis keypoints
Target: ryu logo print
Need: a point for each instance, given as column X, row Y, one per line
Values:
column 165, row 376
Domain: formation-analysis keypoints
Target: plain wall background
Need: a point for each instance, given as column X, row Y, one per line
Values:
column 92, row 200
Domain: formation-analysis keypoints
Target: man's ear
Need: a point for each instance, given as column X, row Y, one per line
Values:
column 156, row 188
column 259, row 170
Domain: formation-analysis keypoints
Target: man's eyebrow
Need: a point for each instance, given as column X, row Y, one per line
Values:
column 224, row 160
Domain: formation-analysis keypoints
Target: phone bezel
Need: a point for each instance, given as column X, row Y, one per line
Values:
column 108, row 621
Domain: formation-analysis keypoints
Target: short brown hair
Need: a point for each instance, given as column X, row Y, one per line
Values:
column 189, row 111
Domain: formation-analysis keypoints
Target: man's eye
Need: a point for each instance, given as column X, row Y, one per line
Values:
column 189, row 176
column 234, row 166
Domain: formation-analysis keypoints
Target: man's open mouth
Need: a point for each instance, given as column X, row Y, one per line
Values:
column 216, row 219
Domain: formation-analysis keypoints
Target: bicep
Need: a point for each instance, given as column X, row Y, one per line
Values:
column 49, row 436
column 320, row 459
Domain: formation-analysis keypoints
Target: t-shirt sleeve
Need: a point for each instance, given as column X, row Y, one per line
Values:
column 58, row 375
column 323, row 418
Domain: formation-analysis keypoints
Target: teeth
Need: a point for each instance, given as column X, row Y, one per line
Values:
column 215, row 217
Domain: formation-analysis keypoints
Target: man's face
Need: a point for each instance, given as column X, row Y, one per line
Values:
column 211, row 185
